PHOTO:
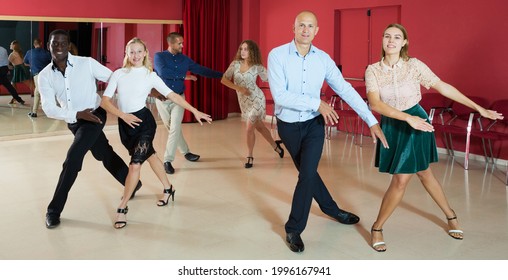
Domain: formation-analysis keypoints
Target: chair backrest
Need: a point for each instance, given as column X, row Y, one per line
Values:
column 501, row 106
column 327, row 92
column 463, row 111
column 336, row 101
column 362, row 91
column 434, row 100
column 268, row 97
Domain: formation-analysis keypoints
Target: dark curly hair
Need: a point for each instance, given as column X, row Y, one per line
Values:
column 254, row 53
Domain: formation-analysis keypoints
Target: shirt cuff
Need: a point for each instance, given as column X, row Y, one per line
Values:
column 71, row 117
column 371, row 120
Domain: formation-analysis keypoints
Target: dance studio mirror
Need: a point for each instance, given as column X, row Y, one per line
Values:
column 101, row 39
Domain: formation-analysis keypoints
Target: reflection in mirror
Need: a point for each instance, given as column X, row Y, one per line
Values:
column 104, row 41
column 20, row 31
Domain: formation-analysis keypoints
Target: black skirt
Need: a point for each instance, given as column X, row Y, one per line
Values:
column 410, row 150
column 139, row 140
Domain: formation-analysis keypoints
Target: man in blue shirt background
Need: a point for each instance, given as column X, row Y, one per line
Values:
column 296, row 72
column 37, row 58
column 172, row 66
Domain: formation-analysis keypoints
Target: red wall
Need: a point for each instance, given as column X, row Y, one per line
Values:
column 121, row 9
column 462, row 41
column 119, row 34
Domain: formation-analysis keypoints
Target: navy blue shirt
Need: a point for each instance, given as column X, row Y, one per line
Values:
column 172, row 68
column 37, row 58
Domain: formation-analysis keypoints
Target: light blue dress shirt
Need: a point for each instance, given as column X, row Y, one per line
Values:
column 296, row 82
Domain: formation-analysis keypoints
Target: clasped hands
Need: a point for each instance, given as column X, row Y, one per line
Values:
column 88, row 115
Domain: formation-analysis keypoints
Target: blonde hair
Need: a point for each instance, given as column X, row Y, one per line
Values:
column 146, row 60
column 404, row 51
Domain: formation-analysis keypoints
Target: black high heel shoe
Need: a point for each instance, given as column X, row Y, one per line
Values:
column 171, row 195
column 250, row 162
column 279, row 150
column 121, row 224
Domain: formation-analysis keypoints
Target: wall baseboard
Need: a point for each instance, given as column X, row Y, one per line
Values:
column 475, row 157
column 234, row 115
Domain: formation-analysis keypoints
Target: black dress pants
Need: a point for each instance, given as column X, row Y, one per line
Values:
column 88, row 136
column 7, row 84
column 304, row 142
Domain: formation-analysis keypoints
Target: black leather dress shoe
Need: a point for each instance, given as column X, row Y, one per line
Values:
column 345, row 217
column 295, row 242
column 169, row 168
column 191, row 157
column 138, row 186
column 52, row 221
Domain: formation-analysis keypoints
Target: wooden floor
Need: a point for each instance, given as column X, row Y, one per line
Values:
column 224, row 214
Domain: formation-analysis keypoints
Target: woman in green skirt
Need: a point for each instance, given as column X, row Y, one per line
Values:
column 20, row 72
column 393, row 90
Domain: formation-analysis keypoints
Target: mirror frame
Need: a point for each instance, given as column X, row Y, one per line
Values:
column 74, row 19
column 53, row 126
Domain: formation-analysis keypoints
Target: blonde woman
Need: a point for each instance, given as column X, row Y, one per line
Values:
column 241, row 76
column 133, row 83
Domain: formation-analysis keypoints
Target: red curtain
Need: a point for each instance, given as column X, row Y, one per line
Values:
column 205, row 25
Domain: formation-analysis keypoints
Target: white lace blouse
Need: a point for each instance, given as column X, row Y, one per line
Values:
column 399, row 86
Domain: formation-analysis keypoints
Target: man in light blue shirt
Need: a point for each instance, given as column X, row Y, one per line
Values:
column 296, row 72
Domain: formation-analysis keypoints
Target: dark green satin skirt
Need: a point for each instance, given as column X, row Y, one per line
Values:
column 410, row 150
column 20, row 73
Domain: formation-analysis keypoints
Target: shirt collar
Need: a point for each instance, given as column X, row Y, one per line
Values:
column 173, row 54
column 388, row 68
column 70, row 62
column 293, row 49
